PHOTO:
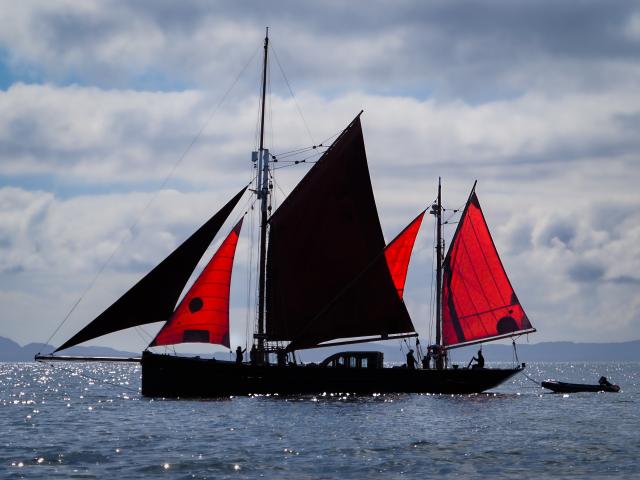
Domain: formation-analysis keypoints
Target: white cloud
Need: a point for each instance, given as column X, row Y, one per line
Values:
column 446, row 49
column 96, row 136
column 632, row 28
column 541, row 108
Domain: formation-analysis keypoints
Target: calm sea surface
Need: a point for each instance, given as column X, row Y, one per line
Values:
column 89, row 421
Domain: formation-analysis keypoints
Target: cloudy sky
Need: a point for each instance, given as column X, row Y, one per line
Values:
column 125, row 124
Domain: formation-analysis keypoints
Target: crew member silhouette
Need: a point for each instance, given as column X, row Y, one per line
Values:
column 426, row 361
column 411, row 361
column 479, row 359
column 604, row 382
column 239, row 354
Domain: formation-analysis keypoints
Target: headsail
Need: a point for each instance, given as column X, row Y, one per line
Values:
column 324, row 235
column 203, row 313
column 478, row 301
column 154, row 297
column 398, row 253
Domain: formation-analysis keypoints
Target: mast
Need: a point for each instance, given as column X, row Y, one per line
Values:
column 438, row 214
column 438, row 349
column 263, row 195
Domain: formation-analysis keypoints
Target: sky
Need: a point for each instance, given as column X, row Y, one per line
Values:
column 125, row 124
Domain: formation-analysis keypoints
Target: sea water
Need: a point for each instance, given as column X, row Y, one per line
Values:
column 89, row 421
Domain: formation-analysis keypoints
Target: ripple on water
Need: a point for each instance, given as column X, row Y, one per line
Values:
column 68, row 423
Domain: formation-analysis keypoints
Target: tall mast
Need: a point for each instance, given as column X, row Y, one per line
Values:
column 439, row 248
column 263, row 195
column 438, row 348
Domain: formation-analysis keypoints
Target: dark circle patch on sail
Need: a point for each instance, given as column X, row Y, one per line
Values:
column 506, row 325
column 195, row 304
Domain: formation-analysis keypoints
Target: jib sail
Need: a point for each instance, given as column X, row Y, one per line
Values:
column 203, row 313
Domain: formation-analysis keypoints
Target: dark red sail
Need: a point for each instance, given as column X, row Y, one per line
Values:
column 154, row 297
column 478, row 301
column 398, row 253
column 203, row 313
column 322, row 238
column 366, row 301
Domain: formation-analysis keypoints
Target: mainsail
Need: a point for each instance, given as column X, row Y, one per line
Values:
column 322, row 238
column 478, row 301
column 154, row 297
column 203, row 313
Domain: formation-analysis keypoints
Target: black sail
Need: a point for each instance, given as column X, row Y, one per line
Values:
column 327, row 277
column 368, row 306
column 154, row 297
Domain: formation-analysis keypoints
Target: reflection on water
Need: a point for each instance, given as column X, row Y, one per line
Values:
column 89, row 421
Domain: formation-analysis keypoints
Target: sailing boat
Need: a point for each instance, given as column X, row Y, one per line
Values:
column 326, row 278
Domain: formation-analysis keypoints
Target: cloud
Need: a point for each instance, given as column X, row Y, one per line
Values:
column 97, row 136
column 574, row 268
column 41, row 233
column 461, row 50
column 586, row 272
column 536, row 100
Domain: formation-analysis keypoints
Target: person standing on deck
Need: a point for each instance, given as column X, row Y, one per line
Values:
column 239, row 354
column 411, row 361
column 426, row 360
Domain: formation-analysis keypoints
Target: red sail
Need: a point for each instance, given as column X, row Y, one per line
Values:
column 154, row 297
column 398, row 253
column 478, row 301
column 203, row 313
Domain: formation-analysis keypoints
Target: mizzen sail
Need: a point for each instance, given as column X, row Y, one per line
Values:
column 478, row 301
column 154, row 297
column 203, row 313
column 322, row 238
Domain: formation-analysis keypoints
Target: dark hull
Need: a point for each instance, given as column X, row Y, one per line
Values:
column 562, row 387
column 172, row 376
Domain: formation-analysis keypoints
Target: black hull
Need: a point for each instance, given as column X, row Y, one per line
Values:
column 172, row 377
column 562, row 387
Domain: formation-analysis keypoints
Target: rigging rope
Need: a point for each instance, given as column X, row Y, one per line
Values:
column 297, row 162
column 291, row 153
column 144, row 336
column 515, row 354
column 133, row 226
column 286, row 80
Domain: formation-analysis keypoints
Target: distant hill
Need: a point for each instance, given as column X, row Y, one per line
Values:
column 537, row 352
column 10, row 351
column 558, row 352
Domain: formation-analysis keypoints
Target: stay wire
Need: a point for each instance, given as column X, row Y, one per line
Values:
column 276, row 157
column 133, row 226
column 277, row 184
column 144, row 336
column 297, row 162
column 286, row 80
